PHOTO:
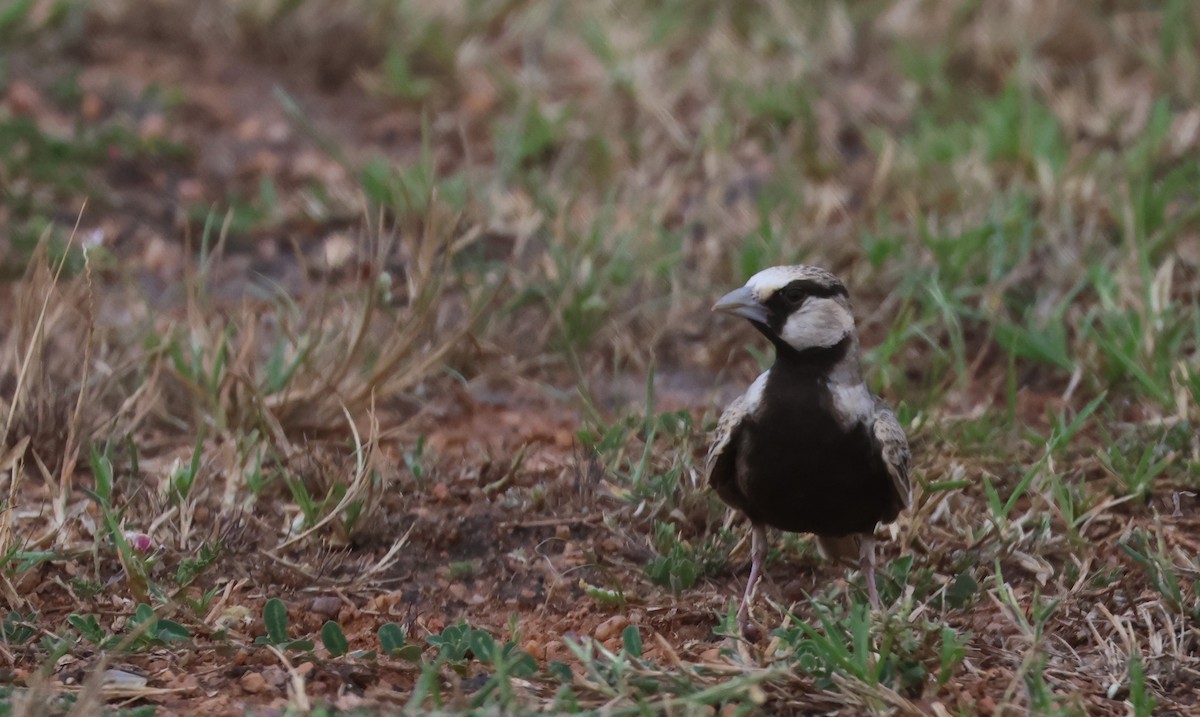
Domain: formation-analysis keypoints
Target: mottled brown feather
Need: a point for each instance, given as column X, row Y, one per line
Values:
column 893, row 447
column 721, row 462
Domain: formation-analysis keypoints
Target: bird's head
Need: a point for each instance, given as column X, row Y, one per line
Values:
column 798, row 307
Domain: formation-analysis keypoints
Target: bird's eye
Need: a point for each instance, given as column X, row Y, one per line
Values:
column 794, row 296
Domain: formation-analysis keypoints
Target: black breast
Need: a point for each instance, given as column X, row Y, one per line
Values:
column 799, row 470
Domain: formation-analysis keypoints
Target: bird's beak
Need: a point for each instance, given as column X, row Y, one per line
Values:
column 741, row 302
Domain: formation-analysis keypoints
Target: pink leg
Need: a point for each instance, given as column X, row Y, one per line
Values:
column 758, row 553
column 866, row 562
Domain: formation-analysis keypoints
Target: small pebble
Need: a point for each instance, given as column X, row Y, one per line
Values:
column 275, row 676
column 326, row 606
column 610, row 627
column 535, row 649
column 254, row 683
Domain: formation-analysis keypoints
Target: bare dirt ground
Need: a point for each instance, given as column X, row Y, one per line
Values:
column 511, row 482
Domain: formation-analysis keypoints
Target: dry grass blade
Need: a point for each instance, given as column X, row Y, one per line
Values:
column 400, row 351
column 36, row 333
column 11, row 465
column 359, row 483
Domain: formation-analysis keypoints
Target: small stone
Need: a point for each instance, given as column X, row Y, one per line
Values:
column 278, row 132
column 23, row 98
column 535, row 649
column 610, row 628
column 386, row 601
column 190, row 190
column 254, row 683
column 264, row 162
column 152, row 126
column 249, row 129
column 120, row 679
column 338, row 250
column 275, row 676
column 91, row 107
column 326, row 606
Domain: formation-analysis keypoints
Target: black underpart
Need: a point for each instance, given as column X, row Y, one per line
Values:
column 794, row 468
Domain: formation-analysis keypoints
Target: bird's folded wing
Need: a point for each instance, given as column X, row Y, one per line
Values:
column 893, row 447
column 721, row 463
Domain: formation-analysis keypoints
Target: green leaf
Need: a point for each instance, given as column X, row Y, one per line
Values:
column 952, row 652
column 168, row 630
column 143, row 614
column 18, row 630
column 962, row 590
column 391, row 638
column 14, row 15
column 633, row 640
column 1143, row 702
column 87, row 626
column 481, row 645
column 334, row 639
column 520, row 663
column 560, row 670
column 275, row 617
column 102, row 473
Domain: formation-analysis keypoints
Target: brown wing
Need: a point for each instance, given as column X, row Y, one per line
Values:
column 722, row 454
column 892, row 445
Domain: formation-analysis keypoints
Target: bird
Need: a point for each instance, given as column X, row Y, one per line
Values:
column 808, row 448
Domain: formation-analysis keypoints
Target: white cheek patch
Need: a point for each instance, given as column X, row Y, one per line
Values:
column 818, row 323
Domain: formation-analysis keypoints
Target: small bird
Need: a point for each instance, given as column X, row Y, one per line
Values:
column 808, row 448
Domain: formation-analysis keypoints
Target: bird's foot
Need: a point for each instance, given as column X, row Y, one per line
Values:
column 758, row 553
